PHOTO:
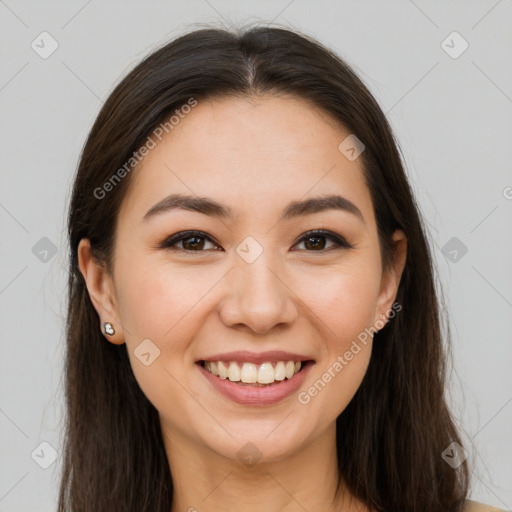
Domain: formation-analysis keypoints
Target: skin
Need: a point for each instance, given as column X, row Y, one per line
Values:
column 255, row 156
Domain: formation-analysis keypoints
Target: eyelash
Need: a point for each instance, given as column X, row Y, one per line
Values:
column 318, row 233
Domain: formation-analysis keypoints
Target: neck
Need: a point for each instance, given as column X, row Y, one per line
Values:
column 305, row 480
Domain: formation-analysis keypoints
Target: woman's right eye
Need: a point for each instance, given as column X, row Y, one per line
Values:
column 192, row 241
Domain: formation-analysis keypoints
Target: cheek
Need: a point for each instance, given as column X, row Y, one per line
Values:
column 343, row 298
column 156, row 301
column 162, row 302
column 346, row 311
column 345, row 302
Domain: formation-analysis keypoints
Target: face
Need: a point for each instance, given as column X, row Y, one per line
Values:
column 253, row 286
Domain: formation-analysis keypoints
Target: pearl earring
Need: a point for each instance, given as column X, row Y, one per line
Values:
column 108, row 328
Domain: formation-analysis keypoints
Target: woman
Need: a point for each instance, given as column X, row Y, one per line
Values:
column 253, row 322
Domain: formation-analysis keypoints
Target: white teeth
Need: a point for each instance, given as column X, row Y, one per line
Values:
column 223, row 371
column 280, row 371
column 266, row 373
column 250, row 373
column 234, row 372
column 289, row 369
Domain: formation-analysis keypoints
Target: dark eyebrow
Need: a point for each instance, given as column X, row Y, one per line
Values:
column 214, row 209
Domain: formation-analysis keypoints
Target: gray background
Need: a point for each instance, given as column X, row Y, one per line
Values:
column 452, row 117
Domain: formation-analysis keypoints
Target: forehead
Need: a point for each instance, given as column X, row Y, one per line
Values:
column 250, row 153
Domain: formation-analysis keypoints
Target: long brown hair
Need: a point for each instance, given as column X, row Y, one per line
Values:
column 391, row 435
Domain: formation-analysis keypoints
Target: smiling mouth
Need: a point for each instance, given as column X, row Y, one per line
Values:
column 255, row 375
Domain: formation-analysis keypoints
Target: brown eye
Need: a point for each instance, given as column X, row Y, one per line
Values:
column 192, row 241
column 315, row 241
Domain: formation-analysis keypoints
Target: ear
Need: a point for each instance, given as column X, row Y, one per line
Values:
column 100, row 287
column 391, row 278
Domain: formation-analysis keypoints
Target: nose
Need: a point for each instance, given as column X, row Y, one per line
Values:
column 257, row 296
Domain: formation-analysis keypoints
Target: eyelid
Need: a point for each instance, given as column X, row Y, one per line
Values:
column 172, row 240
column 338, row 239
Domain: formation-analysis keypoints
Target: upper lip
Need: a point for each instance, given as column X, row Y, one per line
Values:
column 245, row 356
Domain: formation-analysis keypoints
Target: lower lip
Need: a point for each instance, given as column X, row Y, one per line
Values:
column 247, row 395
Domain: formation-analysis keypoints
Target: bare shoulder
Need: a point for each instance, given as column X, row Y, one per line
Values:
column 474, row 506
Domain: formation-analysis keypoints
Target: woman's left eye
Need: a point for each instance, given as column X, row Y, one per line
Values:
column 318, row 235
column 194, row 241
